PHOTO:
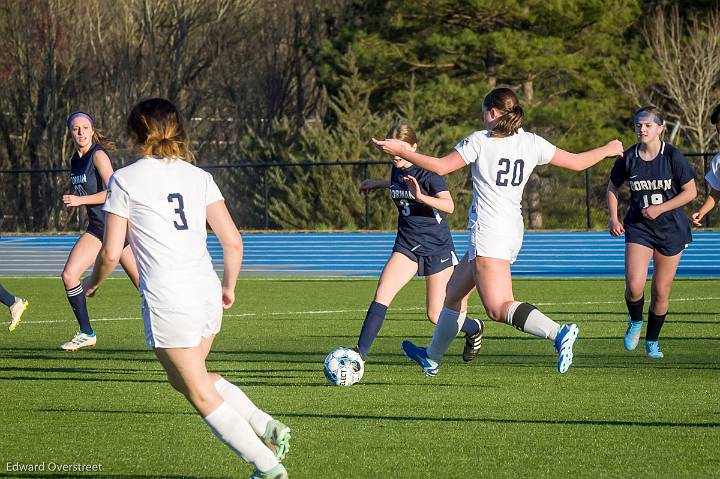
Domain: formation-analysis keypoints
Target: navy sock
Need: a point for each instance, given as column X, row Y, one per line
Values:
column 6, row 298
column 76, row 298
column 371, row 327
column 635, row 308
column 470, row 326
column 655, row 324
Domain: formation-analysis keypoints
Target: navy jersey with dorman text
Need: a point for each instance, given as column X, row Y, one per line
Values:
column 86, row 180
column 421, row 228
column 653, row 183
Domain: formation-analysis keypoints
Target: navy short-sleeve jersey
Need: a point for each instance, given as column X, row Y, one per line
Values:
column 421, row 228
column 87, row 181
column 652, row 183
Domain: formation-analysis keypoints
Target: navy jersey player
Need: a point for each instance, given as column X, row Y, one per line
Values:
column 423, row 245
column 712, row 177
column 90, row 171
column 502, row 158
column 661, row 182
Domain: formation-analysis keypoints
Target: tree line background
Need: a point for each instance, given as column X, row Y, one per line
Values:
column 298, row 81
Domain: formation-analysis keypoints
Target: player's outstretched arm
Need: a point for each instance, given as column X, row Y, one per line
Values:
column 710, row 202
column 616, row 227
column 371, row 184
column 586, row 159
column 441, row 166
column 112, row 248
column 222, row 224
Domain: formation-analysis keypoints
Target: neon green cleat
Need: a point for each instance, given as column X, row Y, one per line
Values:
column 16, row 312
column 277, row 438
column 277, row 472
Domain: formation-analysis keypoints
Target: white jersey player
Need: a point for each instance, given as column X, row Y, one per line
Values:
column 166, row 229
column 502, row 157
column 712, row 177
column 501, row 167
column 163, row 203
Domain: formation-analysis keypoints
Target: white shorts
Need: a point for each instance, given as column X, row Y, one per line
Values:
column 505, row 245
column 181, row 326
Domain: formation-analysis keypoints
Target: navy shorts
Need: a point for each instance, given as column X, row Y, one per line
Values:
column 665, row 244
column 429, row 265
column 98, row 231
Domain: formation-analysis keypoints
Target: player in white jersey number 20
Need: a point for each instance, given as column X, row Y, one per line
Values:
column 502, row 157
column 163, row 203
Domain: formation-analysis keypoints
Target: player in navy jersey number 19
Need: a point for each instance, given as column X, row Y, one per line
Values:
column 163, row 203
column 661, row 182
column 90, row 171
column 423, row 245
column 712, row 177
column 502, row 158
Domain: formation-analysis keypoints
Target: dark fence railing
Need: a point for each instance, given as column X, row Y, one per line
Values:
column 300, row 195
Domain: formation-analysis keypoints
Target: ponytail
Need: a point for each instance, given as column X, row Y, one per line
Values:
column 156, row 127
column 512, row 116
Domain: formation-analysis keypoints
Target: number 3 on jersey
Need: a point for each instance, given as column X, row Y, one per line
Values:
column 405, row 207
column 180, row 210
column 504, row 171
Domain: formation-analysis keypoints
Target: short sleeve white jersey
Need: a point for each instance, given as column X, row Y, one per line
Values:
column 165, row 204
column 500, row 170
column 713, row 176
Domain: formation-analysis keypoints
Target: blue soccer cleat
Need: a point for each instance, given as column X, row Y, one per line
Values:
column 652, row 349
column 564, row 342
column 632, row 335
column 419, row 355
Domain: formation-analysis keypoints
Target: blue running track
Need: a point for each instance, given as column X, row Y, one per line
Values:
column 544, row 254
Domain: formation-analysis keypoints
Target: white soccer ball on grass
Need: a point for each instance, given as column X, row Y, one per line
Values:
column 344, row 367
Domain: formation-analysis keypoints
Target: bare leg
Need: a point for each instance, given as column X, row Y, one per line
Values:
column 435, row 287
column 186, row 372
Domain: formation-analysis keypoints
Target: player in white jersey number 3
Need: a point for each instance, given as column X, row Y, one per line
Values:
column 502, row 157
column 163, row 203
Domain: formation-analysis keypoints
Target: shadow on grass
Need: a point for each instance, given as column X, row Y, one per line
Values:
column 488, row 420
column 478, row 420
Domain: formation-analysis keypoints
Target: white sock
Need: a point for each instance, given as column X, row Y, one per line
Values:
column 532, row 321
column 233, row 430
column 448, row 326
column 237, row 399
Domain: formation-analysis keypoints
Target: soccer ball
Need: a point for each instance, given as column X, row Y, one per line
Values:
column 344, row 367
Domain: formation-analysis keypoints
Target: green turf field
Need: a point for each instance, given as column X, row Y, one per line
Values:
column 509, row 414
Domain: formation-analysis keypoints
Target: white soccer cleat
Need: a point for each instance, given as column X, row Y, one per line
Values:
column 80, row 340
column 16, row 312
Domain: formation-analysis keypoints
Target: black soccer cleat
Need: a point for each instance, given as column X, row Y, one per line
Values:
column 473, row 343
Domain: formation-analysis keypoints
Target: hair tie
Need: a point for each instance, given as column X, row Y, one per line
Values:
column 646, row 116
column 79, row 114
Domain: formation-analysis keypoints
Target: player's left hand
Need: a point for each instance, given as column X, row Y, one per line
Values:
column 72, row 201
column 391, row 146
column 414, row 186
column 228, row 297
column 652, row 211
column 697, row 219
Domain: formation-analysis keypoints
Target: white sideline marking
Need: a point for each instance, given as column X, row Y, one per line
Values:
column 339, row 311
